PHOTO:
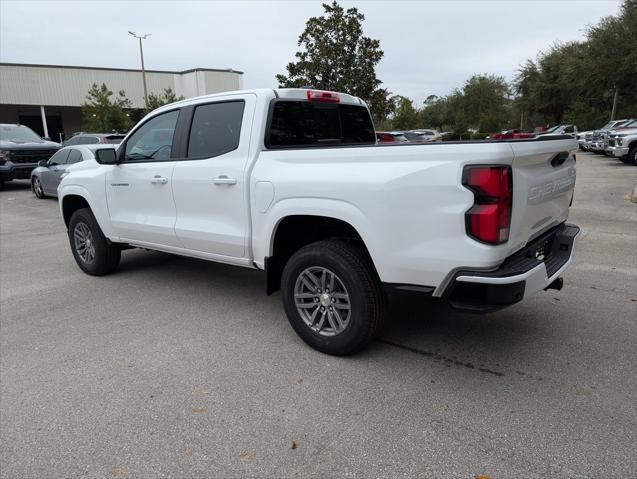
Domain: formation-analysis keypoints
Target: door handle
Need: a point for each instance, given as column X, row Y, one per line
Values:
column 224, row 180
column 159, row 179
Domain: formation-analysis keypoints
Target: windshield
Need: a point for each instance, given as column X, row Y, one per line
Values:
column 551, row 130
column 15, row 132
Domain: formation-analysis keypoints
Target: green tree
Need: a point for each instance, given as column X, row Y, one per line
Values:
column 576, row 82
column 434, row 112
column 335, row 55
column 406, row 116
column 155, row 101
column 101, row 114
column 485, row 102
column 611, row 60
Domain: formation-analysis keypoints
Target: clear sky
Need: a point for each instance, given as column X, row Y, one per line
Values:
column 430, row 47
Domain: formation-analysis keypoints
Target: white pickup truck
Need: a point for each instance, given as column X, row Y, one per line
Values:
column 292, row 182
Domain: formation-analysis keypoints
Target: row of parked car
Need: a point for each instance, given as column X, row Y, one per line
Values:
column 429, row 135
column 617, row 138
column 411, row 136
column 25, row 155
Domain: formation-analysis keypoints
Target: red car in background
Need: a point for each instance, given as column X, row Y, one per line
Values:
column 514, row 134
column 391, row 137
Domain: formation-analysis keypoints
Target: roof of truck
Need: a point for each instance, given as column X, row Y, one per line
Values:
column 286, row 93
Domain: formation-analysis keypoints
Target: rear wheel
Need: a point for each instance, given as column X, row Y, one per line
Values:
column 333, row 297
column 93, row 253
column 36, row 186
column 632, row 156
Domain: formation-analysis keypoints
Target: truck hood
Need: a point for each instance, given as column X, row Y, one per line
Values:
column 28, row 145
column 624, row 131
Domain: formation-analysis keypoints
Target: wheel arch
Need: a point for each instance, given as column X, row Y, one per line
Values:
column 70, row 204
column 74, row 197
column 294, row 231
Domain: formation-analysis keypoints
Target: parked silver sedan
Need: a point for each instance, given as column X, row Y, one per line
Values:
column 47, row 176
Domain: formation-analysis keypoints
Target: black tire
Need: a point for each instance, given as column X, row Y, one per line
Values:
column 106, row 255
column 36, row 187
column 355, row 271
column 632, row 156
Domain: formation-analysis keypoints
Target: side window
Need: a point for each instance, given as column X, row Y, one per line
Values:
column 216, row 129
column 89, row 140
column 58, row 158
column 73, row 141
column 74, row 157
column 154, row 139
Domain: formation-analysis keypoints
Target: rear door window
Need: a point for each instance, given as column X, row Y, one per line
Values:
column 89, row 140
column 216, row 129
column 74, row 157
column 304, row 124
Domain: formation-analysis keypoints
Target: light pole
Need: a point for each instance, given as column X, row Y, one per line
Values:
column 141, row 54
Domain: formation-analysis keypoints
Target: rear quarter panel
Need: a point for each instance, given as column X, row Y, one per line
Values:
column 406, row 202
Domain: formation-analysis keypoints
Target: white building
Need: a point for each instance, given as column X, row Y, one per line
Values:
column 48, row 98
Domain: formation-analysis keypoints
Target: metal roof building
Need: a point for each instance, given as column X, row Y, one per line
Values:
column 48, row 98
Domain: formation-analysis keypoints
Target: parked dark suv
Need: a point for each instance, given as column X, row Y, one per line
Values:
column 94, row 139
column 20, row 151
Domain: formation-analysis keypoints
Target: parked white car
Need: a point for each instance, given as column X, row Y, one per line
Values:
column 292, row 182
column 429, row 135
column 582, row 139
column 622, row 143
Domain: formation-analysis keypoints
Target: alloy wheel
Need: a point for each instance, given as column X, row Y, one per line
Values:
column 37, row 187
column 84, row 243
column 322, row 301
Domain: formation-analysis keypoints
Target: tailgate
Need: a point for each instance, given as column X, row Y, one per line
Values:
column 543, row 184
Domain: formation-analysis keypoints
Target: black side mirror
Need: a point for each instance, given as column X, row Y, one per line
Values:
column 42, row 162
column 106, row 156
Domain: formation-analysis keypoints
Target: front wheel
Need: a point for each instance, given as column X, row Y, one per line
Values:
column 93, row 253
column 333, row 297
column 36, row 186
column 632, row 156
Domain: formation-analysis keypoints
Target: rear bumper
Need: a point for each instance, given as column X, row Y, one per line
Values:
column 532, row 269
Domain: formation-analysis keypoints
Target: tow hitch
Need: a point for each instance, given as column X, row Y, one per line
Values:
column 558, row 284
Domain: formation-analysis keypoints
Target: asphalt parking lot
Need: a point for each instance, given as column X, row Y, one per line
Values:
column 175, row 367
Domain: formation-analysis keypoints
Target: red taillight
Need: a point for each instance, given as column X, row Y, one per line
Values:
column 325, row 96
column 489, row 219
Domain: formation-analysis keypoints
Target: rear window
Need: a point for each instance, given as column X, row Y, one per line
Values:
column 303, row 123
column 112, row 139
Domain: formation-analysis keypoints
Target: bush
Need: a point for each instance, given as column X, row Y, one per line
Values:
column 479, row 136
column 457, row 136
